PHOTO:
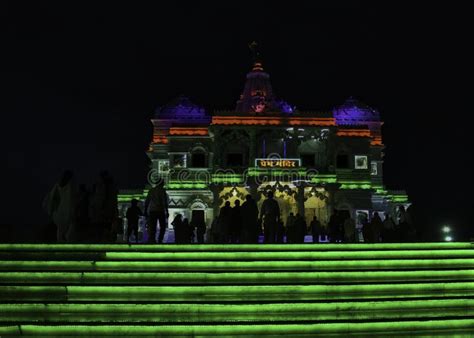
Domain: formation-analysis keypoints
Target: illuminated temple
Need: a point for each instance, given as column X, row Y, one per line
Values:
column 314, row 161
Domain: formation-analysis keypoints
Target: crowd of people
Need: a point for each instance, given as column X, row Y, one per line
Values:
column 82, row 215
column 77, row 212
column 244, row 224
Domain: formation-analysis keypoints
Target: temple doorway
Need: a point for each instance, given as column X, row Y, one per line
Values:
column 284, row 193
column 316, row 204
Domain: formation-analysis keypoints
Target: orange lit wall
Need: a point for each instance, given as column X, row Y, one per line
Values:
column 354, row 132
column 273, row 121
column 188, row 131
column 160, row 139
column 376, row 141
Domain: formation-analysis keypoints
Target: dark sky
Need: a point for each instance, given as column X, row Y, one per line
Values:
column 81, row 80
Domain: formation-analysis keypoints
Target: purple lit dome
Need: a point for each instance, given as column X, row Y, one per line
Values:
column 353, row 112
column 182, row 108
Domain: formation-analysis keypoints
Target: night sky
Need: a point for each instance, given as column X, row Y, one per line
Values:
column 81, row 81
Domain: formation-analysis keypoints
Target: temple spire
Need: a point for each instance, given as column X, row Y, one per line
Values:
column 257, row 96
column 257, row 61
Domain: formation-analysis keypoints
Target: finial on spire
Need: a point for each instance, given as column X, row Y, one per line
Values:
column 254, row 48
column 257, row 63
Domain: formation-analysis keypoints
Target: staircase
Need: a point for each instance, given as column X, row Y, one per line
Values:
column 307, row 290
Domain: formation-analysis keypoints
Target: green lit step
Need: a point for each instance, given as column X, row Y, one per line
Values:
column 192, row 278
column 288, row 256
column 207, row 313
column 233, row 293
column 251, row 330
column 236, row 256
column 235, row 247
column 237, row 265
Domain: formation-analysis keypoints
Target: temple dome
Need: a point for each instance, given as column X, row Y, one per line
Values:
column 182, row 108
column 353, row 112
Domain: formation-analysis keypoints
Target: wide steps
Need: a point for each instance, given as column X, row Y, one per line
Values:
column 307, row 290
column 260, row 293
column 233, row 278
column 427, row 328
column 275, row 312
column 352, row 265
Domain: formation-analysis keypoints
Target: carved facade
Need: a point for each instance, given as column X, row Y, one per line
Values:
column 315, row 162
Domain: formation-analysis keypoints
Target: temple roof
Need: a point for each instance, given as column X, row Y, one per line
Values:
column 353, row 112
column 182, row 108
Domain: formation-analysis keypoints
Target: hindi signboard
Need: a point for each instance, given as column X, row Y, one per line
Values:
column 281, row 163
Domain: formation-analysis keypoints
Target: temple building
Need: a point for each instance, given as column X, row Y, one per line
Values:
column 315, row 162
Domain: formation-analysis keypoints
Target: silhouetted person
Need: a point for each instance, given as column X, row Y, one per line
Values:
column 376, row 227
column 333, row 227
column 270, row 214
column 215, row 231
column 225, row 218
column 60, row 204
column 290, row 228
column 189, row 231
column 300, row 227
column 199, row 224
column 180, row 231
column 133, row 215
column 156, row 207
column 249, row 211
column 403, row 224
column 316, row 229
column 104, row 207
column 280, row 231
column 349, row 229
column 236, row 223
column 367, row 230
column 388, row 231
column 340, row 226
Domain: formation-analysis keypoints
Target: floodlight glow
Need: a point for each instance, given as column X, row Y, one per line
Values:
column 446, row 229
column 448, row 238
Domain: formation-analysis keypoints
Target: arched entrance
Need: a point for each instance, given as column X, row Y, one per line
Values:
column 316, row 204
column 284, row 193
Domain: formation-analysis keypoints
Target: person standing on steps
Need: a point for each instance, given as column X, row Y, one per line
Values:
column 236, row 223
column 270, row 215
column 60, row 204
column 249, row 211
column 156, row 208
column 225, row 219
column 133, row 215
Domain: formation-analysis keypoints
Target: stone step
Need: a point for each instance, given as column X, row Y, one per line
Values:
column 234, row 247
column 443, row 327
column 148, row 266
column 236, row 256
column 234, row 278
column 234, row 293
column 233, row 313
